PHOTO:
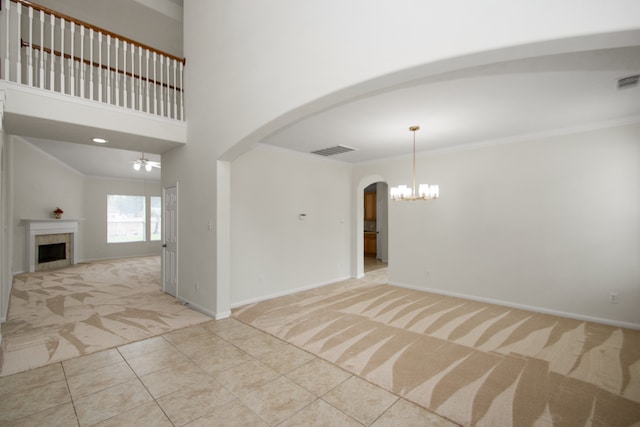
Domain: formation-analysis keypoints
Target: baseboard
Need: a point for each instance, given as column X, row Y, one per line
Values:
column 116, row 258
column 287, row 292
column 197, row 307
column 223, row 315
column 535, row 309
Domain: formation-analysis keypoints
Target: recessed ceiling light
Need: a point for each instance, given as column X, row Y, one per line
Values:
column 100, row 140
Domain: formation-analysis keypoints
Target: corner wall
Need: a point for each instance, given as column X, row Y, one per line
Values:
column 274, row 251
column 550, row 224
column 40, row 184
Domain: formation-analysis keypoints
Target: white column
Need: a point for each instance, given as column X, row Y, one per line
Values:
column 62, row 62
column 52, row 57
column 7, row 61
column 41, row 74
column 19, row 34
column 72, row 63
column 181, row 92
column 30, row 49
column 146, row 61
column 160, row 85
column 139, row 79
column 82, row 65
column 91, row 94
column 155, row 83
column 100, row 70
column 117, row 73
column 175, row 93
column 108, row 69
column 125, row 100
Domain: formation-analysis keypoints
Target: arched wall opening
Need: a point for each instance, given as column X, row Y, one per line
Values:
column 358, row 234
column 379, row 84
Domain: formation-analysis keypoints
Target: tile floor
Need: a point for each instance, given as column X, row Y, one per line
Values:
column 219, row 373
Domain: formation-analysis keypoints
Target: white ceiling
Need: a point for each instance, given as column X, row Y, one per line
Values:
column 503, row 101
column 98, row 160
column 507, row 100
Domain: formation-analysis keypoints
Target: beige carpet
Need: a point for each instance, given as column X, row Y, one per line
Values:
column 85, row 308
column 474, row 363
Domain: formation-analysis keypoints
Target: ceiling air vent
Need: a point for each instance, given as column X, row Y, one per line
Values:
column 628, row 82
column 332, row 151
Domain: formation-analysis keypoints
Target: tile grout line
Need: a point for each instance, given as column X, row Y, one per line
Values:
column 73, row 403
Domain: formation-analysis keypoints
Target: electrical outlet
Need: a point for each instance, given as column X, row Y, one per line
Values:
column 197, row 286
column 613, row 297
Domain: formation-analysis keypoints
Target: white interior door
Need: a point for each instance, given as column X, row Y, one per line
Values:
column 170, row 236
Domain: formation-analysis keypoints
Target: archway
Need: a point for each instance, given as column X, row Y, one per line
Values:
column 360, row 222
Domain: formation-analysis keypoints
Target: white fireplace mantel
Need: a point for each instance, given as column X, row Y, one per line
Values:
column 36, row 227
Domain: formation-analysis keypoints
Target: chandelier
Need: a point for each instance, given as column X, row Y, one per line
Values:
column 425, row 191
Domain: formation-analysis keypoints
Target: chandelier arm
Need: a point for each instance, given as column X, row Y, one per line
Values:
column 414, row 194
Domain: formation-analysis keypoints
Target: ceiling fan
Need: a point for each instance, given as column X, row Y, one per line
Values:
column 146, row 163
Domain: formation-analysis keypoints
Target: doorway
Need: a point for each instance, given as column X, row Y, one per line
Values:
column 375, row 226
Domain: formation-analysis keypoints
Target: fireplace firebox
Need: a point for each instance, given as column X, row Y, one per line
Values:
column 52, row 252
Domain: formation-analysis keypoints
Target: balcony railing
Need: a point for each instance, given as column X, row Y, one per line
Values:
column 48, row 50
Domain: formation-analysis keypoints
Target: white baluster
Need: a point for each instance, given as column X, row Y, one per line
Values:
column 19, row 33
column 125, row 99
column 41, row 74
column 82, row 66
column 52, row 75
column 139, row 79
column 160, row 85
column 91, row 71
column 7, row 61
column 117, row 73
column 146, row 61
column 133, row 72
column 155, row 83
column 108, row 69
column 181, row 92
column 168, row 88
column 175, row 93
column 62, row 61
column 29, row 48
column 100, row 73
column 72, row 64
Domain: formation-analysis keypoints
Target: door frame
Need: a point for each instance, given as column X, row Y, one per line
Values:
column 164, row 222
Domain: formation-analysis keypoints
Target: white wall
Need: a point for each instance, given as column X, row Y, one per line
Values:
column 94, row 235
column 40, row 184
column 273, row 252
column 253, row 67
column 551, row 223
column 6, row 231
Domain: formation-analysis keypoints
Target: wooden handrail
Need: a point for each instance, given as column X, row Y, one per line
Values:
column 101, row 30
column 98, row 65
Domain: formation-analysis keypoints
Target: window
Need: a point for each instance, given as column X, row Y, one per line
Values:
column 134, row 218
column 155, row 218
column 126, row 218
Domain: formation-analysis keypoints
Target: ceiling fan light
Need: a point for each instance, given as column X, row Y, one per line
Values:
column 136, row 166
column 147, row 167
